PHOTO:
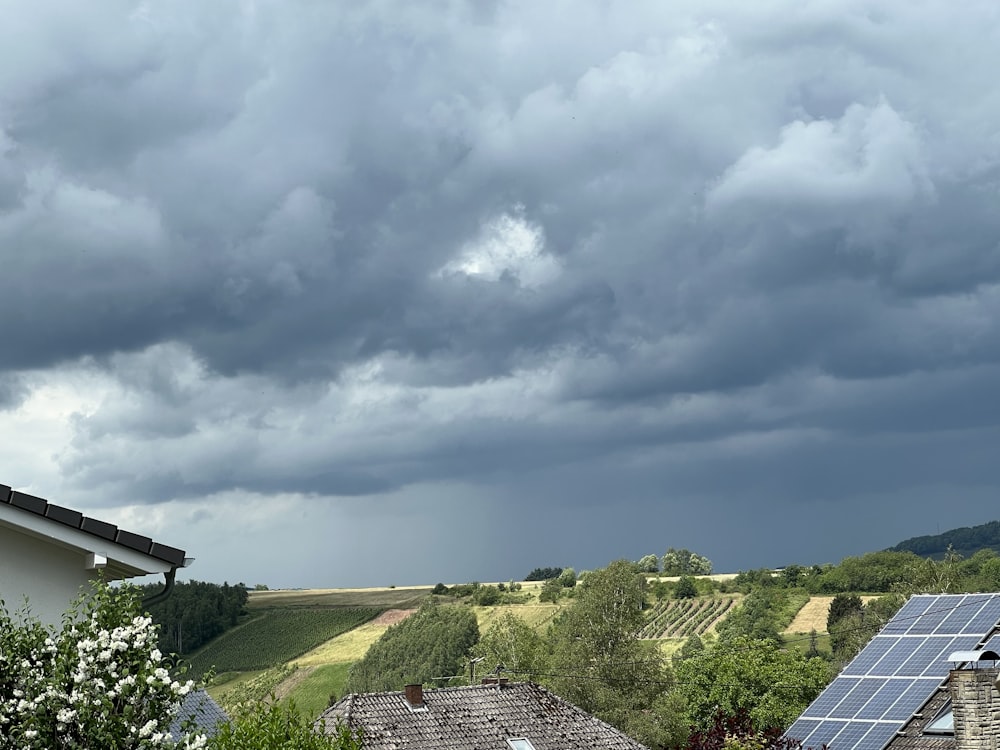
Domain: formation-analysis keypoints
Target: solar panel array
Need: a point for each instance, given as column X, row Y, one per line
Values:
column 896, row 672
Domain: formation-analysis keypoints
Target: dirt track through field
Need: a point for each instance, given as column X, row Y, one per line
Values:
column 296, row 678
column 392, row 616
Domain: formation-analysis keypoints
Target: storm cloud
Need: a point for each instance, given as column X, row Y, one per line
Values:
column 581, row 280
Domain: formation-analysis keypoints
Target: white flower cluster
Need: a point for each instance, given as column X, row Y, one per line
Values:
column 100, row 682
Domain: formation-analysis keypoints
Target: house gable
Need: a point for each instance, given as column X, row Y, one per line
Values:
column 47, row 552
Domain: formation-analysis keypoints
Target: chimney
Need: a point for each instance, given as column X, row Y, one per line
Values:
column 495, row 681
column 415, row 695
column 976, row 708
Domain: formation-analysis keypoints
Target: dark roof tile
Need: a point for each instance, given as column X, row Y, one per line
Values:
column 28, row 502
column 74, row 519
column 63, row 515
column 99, row 528
column 137, row 542
column 172, row 555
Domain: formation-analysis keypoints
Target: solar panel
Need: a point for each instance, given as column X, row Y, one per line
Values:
column 877, row 737
column 929, row 621
column 959, row 617
column 923, row 655
column 986, row 619
column 900, row 653
column 802, row 728
column 853, row 733
column 941, row 665
column 862, row 692
column 916, row 693
column 883, row 699
column 897, row 672
column 914, row 607
column 871, row 653
column 829, row 698
column 825, row 732
column 993, row 644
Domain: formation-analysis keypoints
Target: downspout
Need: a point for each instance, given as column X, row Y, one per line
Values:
column 168, row 586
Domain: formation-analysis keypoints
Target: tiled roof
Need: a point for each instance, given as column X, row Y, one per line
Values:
column 76, row 520
column 912, row 737
column 199, row 707
column 469, row 718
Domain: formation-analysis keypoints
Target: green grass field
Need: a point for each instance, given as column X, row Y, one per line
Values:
column 313, row 692
column 276, row 636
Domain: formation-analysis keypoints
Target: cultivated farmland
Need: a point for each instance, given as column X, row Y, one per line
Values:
column 277, row 636
column 380, row 598
column 673, row 618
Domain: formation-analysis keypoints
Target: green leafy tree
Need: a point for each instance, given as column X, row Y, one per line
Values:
column 567, row 579
column 486, row 596
column 551, row 591
column 543, row 574
column 693, row 646
column 195, row 613
column 511, row 642
column 755, row 618
column 649, row 564
column 274, row 725
column 601, row 665
column 842, row 606
column 431, row 644
column 857, row 625
column 679, row 562
column 792, row 575
column 756, row 676
column 686, row 588
column 700, row 565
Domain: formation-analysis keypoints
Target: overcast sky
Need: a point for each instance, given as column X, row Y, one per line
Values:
column 337, row 293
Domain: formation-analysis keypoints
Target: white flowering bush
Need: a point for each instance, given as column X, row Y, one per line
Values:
column 99, row 682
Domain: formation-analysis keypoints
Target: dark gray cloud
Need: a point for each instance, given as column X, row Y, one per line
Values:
column 581, row 261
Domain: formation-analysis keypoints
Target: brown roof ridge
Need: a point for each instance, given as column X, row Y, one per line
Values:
column 76, row 520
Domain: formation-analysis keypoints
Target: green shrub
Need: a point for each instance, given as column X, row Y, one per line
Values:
column 277, row 726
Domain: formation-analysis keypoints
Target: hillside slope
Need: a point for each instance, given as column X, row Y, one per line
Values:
column 966, row 540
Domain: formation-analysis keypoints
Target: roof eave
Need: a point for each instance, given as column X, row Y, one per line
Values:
column 122, row 561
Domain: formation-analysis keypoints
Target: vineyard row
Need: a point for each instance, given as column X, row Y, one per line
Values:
column 680, row 618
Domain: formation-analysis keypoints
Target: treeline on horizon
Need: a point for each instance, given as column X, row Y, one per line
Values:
column 965, row 540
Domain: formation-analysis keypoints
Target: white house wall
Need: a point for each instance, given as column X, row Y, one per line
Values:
column 49, row 575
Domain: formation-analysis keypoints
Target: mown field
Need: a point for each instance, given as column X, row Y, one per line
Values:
column 814, row 614
column 379, row 598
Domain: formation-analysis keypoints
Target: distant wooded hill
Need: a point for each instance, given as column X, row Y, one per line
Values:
column 966, row 541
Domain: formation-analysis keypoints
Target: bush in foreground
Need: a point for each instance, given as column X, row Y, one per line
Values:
column 101, row 682
column 277, row 726
column 98, row 682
